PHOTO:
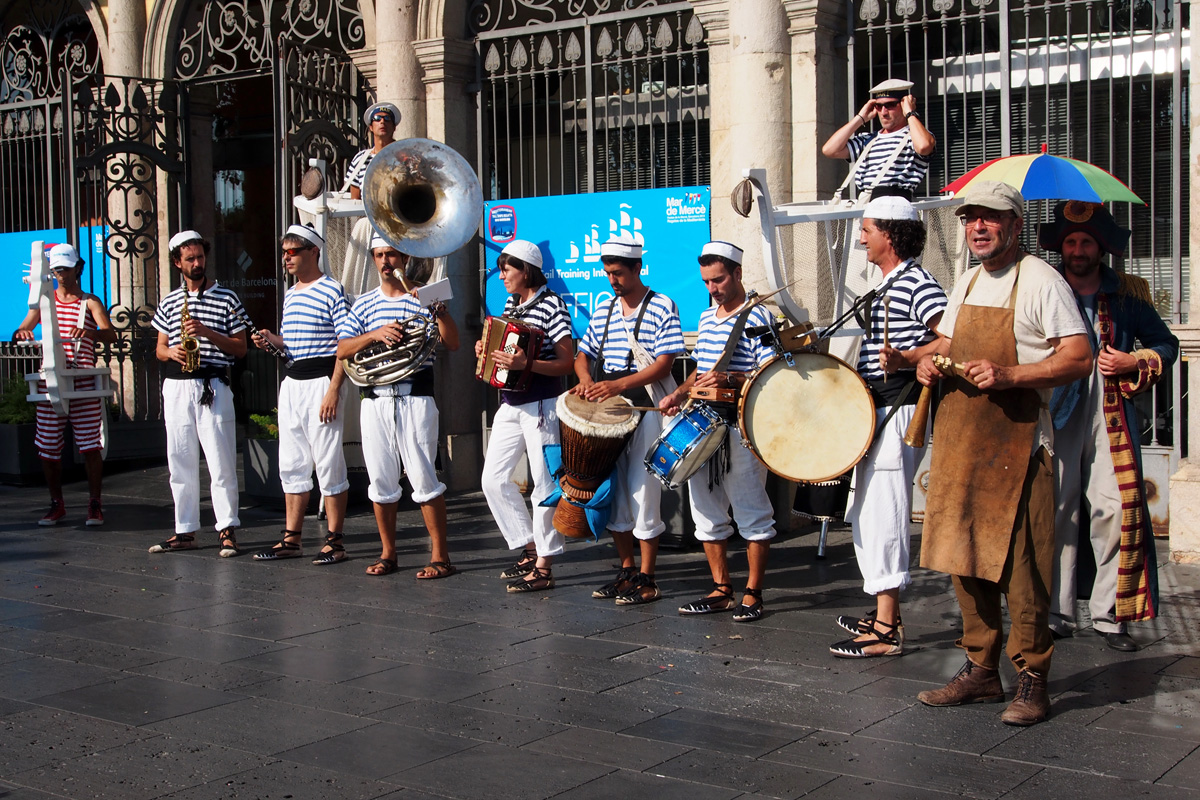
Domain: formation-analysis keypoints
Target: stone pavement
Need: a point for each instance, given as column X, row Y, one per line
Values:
column 127, row 675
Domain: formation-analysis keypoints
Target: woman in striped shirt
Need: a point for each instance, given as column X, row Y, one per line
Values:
column 526, row 421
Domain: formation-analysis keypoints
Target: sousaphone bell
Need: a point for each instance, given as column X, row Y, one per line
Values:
column 424, row 199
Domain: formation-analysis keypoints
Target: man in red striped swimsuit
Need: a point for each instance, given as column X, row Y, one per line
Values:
column 82, row 321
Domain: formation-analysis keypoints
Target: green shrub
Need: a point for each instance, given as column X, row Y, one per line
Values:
column 14, row 408
column 264, row 426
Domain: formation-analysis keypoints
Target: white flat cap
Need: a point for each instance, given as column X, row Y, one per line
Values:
column 528, row 252
column 307, row 233
column 182, row 238
column 378, row 241
column 63, row 255
column 620, row 247
column 388, row 107
column 892, row 87
column 724, row 250
column 890, row 207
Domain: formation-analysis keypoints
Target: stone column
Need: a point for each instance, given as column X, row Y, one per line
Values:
column 126, row 37
column 818, row 93
column 448, row 66
column 1185, row 484
column 398, row 73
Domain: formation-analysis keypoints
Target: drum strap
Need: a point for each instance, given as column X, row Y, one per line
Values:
column 905, row 393
column 598, row 364
column 735, row 335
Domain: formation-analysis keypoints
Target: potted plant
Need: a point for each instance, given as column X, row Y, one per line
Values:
column 18, row 453
column 260, row 457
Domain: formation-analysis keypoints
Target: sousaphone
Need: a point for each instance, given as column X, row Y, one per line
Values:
column 423, row 198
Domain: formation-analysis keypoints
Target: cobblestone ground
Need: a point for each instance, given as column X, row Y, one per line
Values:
column 128, row 675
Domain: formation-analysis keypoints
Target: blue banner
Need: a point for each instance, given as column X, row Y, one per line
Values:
column 671, row 224
column 14, row 256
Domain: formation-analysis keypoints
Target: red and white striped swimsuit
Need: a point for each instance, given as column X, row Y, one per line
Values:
column 84, row 414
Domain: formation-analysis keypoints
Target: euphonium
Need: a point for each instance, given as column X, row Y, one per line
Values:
column 190, row 344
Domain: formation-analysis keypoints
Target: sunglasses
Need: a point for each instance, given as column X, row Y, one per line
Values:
column 291, row 251
column 382, row 115
column 886, row 105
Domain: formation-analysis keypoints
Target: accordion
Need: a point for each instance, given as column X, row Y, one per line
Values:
column 510, row 336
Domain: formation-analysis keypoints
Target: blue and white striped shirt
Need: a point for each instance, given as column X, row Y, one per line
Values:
column 311, row 318
column 713, row 333
column 217, row 308
column 908, row 170
column 546, row 311
column 916, row 298
column 358, row 167
column 375, row 309
column 660, row 332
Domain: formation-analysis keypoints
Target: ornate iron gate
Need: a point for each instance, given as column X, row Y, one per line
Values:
column 321, row 97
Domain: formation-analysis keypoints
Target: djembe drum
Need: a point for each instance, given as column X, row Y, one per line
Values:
column 593, row 437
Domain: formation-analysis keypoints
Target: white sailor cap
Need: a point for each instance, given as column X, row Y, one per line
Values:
column 378, row 241
column 528, row 252
column 390, row 108
column 892, row 87
column 724, row 250
column 621, row 247
column 307, row 233
column 63, row 255
column 182, row 238
column 890, row 207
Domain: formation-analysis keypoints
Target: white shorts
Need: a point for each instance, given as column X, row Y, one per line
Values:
column 399, row 434
column 306, row 443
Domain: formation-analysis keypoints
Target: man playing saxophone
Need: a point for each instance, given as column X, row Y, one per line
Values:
column 197, row 402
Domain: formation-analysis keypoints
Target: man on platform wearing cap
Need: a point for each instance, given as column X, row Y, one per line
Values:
column 310, row 425
column 82, row 321
column 197, row 405
column 1014, row 332
column 1096, row 429
column 733, row 476
column 382, row 119
column 628, row 349
column 894, row 160
column 903, row 317
column 400, row 419
column 527, row 421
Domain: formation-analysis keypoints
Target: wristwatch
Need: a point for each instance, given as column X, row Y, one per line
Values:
column 912, row 114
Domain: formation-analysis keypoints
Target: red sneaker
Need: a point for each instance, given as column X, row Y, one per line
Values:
column 57, row 511
column 95, row 515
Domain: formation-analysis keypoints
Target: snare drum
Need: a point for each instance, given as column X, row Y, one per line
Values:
column 688, row 442
column 809, row 422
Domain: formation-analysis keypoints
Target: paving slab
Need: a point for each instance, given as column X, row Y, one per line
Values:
column 500, row 773
column 607, row 748
column 287, row 779
column 137, row 700
column 760, row 777
column 636, row 784
column 377, row 751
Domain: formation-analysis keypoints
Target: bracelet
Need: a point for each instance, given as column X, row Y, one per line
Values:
column 861, row 117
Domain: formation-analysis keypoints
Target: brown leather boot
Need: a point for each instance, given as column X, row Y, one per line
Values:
column 972, row 684
column 1031, row 704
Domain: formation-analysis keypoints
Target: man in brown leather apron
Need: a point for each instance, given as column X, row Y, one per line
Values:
column 1014, row 332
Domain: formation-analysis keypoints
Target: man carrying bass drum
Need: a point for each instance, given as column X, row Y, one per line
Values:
column 526, row 420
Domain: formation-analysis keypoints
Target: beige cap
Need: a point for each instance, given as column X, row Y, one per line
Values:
column 996, row 195
column 892, row 87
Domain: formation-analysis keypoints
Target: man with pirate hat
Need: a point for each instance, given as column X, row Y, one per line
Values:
column 1097, row 455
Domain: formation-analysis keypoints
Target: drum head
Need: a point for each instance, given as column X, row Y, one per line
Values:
column 810, row 422
column 582, row 414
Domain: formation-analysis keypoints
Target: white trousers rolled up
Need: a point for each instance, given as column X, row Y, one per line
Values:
column 306, row 443
column 192, row 429
column 526, row 428
column 400, row 434
column 881, row 507
column 637, row 495
column 743, row 487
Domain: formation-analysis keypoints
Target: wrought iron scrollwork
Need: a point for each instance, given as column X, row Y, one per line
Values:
column 492, row 15
column 34, row 52
column 238, row 35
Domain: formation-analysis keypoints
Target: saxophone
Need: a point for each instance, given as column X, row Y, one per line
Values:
column 190, row 344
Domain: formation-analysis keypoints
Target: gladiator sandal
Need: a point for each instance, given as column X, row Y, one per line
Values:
column 335, row 553
column 284, row 548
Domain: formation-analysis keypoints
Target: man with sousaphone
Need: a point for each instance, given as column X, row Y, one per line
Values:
column 628, row 349
column 725, row 356
column 400, row 418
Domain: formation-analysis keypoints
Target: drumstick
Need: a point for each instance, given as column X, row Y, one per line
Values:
column 887, row 304
column 644, row 408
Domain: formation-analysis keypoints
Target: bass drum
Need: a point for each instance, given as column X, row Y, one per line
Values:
column 809, row 422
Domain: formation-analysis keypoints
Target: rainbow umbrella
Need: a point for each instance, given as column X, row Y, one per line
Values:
column 1042, row 176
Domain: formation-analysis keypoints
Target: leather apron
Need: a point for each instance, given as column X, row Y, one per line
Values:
column 985, row 439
